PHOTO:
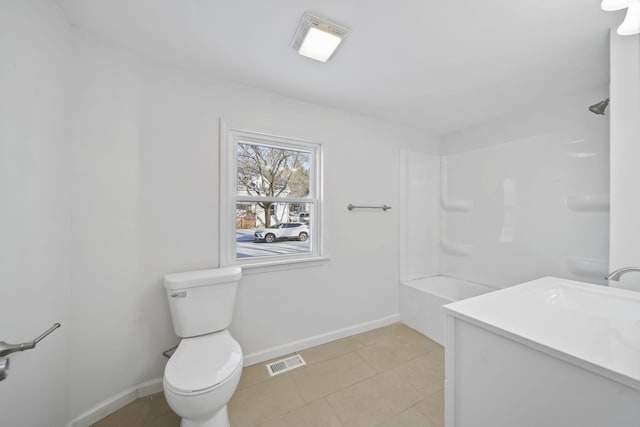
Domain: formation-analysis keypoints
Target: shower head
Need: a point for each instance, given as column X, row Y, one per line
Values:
column 599, row 107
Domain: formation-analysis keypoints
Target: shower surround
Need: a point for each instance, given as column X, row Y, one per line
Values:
column 528, row 208
column 502, row 214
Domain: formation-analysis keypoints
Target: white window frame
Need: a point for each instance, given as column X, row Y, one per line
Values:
column 230, row 136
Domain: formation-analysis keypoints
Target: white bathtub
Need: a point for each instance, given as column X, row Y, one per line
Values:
column 421, row 302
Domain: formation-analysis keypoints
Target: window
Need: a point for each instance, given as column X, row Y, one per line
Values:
column 270, row 198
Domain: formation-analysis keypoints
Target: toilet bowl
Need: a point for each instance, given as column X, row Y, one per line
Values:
column 204, row 371
column 201, row 377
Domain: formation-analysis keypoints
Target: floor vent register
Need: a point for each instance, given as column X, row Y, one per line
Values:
column 285, row 365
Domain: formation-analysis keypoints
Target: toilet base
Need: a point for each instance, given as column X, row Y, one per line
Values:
column 220, row 419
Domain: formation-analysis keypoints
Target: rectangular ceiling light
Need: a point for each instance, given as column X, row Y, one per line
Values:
column 317, row 38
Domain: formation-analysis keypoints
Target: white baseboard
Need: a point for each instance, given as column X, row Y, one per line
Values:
column 281, row 350
column 116, row 402
column 121, row 399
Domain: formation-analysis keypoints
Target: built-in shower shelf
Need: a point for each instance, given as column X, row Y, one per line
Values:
column 588, row 202
column 456, row 205
column 455, row 248
column 595, row 269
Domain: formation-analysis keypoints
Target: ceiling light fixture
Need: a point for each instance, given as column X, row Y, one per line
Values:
column 317, row 38
column 631, row 23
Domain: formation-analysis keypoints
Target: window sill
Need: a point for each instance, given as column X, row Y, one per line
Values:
column 283, row 264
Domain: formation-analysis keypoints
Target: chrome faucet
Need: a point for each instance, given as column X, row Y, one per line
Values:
column 619, row 272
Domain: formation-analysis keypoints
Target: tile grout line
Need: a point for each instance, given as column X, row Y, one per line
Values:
column 378, row 373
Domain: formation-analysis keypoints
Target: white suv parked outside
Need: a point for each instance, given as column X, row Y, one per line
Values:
column 283, row 231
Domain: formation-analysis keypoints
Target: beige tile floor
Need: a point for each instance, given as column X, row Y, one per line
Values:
column 387, row 377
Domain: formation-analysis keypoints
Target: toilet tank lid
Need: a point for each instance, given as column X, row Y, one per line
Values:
column 192, row 279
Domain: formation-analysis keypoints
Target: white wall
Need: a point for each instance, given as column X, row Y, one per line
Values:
column 526, row 196
column 108, row 311
column 625, row 152
column 35, row 50
column 562, row 112
column 145, row 193
column 419, row 215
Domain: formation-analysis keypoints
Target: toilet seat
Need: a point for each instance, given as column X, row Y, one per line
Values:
column 202, row 364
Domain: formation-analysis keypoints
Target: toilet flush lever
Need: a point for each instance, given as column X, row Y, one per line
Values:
column 181, row 294
column 6, row 348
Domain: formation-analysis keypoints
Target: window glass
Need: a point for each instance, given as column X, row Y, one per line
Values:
column 254, row 239
column 272, row 171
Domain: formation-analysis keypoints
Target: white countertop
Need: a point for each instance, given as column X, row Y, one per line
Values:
column 596, row 327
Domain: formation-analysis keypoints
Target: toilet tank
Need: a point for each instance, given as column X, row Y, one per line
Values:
column 201, row 302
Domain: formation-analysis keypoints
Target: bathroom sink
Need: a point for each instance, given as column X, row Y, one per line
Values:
column 596, row 327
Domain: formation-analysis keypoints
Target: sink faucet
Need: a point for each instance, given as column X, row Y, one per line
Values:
column 619, row 272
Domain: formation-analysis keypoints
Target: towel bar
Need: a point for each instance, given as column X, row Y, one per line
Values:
column 383, row 207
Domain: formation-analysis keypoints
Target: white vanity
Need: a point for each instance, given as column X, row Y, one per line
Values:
column 547, row 353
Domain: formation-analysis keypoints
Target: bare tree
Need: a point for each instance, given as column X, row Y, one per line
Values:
column 272, row 172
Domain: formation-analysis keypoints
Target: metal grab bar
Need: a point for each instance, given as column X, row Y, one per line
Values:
column 6, row 348
column 383, row 207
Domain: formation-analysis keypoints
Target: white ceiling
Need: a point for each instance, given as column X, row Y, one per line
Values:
column 438, row 66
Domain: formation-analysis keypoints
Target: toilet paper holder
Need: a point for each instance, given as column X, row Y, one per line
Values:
column 6, row 349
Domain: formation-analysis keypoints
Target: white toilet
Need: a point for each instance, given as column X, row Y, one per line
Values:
column 205, row 369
